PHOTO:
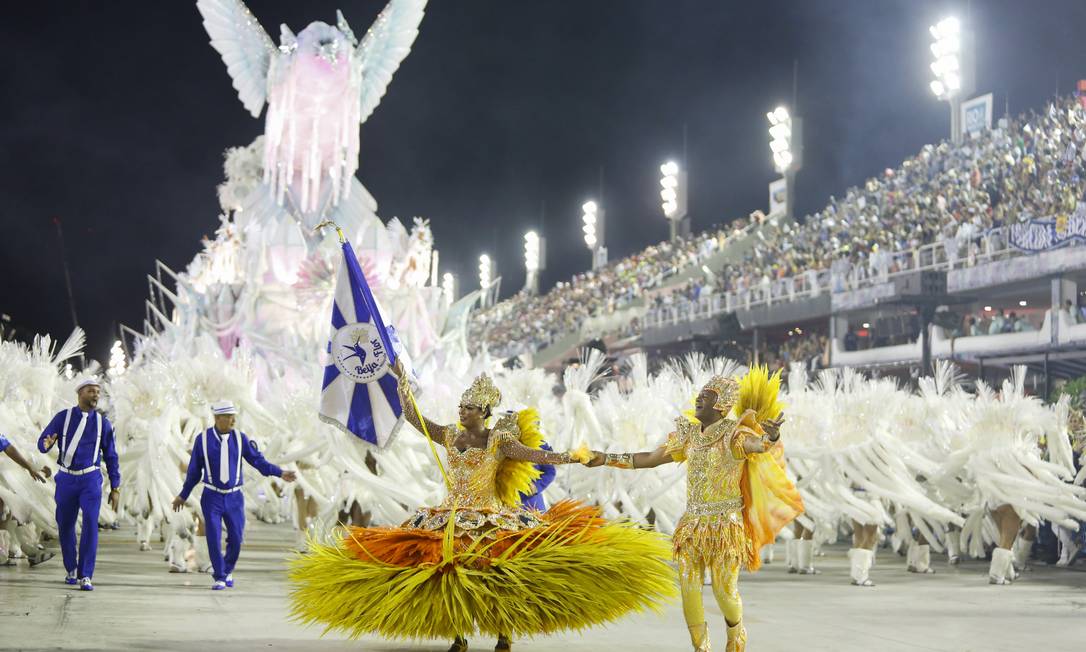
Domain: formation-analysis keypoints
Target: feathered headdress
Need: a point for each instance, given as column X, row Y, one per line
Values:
column 759, row 391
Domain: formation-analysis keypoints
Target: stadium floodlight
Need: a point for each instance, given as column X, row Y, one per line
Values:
column 673, row 198
column 593, row 223
column 117, row 362
column 485, row 271
column 673, row 191
column 946, row 49
column 780, row 139
column 531, row 251
column 952, row 68
column 533, row 248
column 448, row 287
column 590, row 218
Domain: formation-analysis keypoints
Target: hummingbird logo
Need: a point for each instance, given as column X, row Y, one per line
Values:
column 357, row 351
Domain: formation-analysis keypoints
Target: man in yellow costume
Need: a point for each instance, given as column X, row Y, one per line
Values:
column 738, row 496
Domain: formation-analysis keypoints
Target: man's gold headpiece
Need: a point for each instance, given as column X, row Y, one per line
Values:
column 726, row 390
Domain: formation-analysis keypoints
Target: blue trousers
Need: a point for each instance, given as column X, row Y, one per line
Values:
column 75, row 493
column 218, row 509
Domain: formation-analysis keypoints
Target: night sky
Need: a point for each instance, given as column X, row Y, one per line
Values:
column 114, row 117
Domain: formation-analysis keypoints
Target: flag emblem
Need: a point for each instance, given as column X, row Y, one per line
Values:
column 358, row 352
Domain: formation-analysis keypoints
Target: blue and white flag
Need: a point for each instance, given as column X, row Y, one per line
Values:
column 359, row 391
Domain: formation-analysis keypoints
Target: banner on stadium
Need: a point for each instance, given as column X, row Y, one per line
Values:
column 977, row 114
column 778, row 197
column 1045, row 234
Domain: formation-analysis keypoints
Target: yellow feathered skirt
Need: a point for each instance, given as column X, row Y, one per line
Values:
column 565, row 569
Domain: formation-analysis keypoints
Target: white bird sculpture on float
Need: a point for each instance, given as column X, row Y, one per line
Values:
column 320, row 85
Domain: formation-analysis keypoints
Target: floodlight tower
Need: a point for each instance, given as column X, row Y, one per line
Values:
column 953, row 67
column 594, row 220
column 786, row 144
column 534, row 248
column 674, row 199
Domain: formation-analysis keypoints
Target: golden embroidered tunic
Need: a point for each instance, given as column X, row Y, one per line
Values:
column 473, row 500
column 712, row 528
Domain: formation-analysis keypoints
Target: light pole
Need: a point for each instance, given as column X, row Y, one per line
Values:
column 448, row 288
column 786, row 143
column 674, row 200
column 533, row 261
column 117, row 362
column 485, row 271
column 953, row 69
column 594, row 220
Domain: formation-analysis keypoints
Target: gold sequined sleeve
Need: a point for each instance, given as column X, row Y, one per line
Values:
column 744, row 434
column 507, row 435
column 435, row 430
column 515, row 450
column 677, row 441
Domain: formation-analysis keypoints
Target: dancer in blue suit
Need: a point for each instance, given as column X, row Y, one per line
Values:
column 216, row 461
column 86, row 438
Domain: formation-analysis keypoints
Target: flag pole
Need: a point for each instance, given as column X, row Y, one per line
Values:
column 410, row 394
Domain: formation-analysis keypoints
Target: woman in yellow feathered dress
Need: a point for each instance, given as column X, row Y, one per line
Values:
column 738, row 496
column 479, row 562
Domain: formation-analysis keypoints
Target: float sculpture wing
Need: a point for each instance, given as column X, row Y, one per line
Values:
column 245, row 47
column 385, row 45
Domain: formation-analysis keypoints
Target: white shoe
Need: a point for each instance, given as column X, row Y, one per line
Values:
column 178, row 568
column 230, row 581
column 144, row 546
column 218, row 585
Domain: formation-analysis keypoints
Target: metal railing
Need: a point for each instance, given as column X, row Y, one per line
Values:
column 843, row 276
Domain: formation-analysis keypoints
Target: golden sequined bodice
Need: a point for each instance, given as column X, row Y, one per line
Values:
column 713, row 470
column 472, row 474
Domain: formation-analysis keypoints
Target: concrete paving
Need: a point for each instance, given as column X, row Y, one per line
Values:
column 137, row 605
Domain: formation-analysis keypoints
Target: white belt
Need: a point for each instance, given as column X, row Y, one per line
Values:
column 208, row 487
column 89, row 469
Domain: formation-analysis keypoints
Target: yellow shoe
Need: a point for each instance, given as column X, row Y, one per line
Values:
column 737, row 638
column 460, row 644
column 699, row 637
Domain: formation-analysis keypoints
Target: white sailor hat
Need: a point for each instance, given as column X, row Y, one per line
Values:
column 223, row 407
column 89, row 382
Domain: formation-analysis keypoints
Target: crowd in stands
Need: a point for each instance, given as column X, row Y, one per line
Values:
column 1028, row 167
column 526, row 322
column 948, row 195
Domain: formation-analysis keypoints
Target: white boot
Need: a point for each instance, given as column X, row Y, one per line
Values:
column 144, row 530
column 860, row 559
column 1021, row 550
column 804, row 552
column 178, row 547
column 5, row 542
column 902, row 536
column 1001, row 569
column 203, row 558
column 953, row 547
column 1068, row 547
column 791, row 556
column 767, row 553
column 922, row 560
column 910, row 557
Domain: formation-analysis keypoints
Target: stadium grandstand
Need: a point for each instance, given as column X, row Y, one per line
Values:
column 977, row 243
